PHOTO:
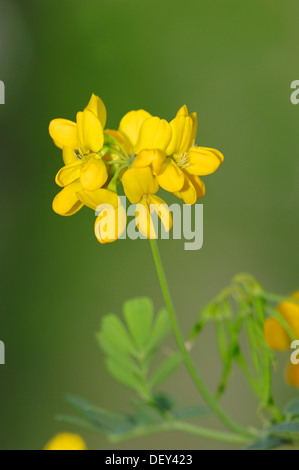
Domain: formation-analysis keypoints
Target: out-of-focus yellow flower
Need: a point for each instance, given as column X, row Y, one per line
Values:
column 276, row 336
column 279, row 339
column 185, row 161
column 66, row 441
column 292, row 374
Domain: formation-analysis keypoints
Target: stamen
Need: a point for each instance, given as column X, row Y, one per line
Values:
column 183, row 161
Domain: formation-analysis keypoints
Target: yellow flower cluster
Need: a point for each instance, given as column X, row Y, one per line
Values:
column 278, row 338
column 143, row 154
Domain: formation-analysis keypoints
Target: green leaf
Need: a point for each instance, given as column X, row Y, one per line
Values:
column 146, row 413
column 192, row 412
column 113, row 329
column 287, row 426
column 160, row 330
column 166, row 369
column 138, row 314
column 123, row 375
column 104, row 421
column 164, row 401
column 122, row 358
column 265, row 444
column 292, row 409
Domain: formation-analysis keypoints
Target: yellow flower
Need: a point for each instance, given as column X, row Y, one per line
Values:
column 276, row 336
column 86, row 134
column 66, row 441
column 292, row 374
column 185, row 162
column 140, row 185
column 84, row 171
column 146, row 138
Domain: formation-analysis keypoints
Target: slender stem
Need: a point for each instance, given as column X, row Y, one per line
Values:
column 180, row 426
column 280, row 298
column 187, row 359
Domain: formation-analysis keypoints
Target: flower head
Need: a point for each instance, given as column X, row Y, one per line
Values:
column 143, row 154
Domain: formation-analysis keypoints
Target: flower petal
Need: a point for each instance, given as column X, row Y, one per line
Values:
column 69, row 173
column 131, row 123
column 171, row 178
column 66, row 441
column 93, row 174
column 97, row 107
column 156, row 204
column 276, row 336
column 137, row 182
column 66, row 202
column 110, row 224
column 68, row 155
column 155, row 133
column 93, row 199
column 182, row 128
column 292, row 374
column 183, row 111
column 203, row 161
column 144, row 221
column 154, row 158
column 63, row 133
column 90, row 132
column 192, row 190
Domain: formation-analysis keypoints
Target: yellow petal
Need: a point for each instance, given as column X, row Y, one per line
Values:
column 292, row 374
column 203, row 161
column 131, row 123
column 183, row 111
column 97, row 107
column 66, row 202
column 156, row 204
column 93, row 199
column 90, row 132
column 93, row 174
column 192, row 190
column 66, row 441
column 63, row 133
column 276, row 336
column 137, row 182
column 290, row 312
column 121, row 138
column 171, row 178
column 155, row 133
column 68, row 155
column 193, row 116
column 154, row 158
column 182, row 128
column 110, row 223
column 69, row 173
column 144, row 221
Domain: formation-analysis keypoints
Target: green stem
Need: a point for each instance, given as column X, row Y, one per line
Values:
column 279, row 298
column 180, row 426
column 186, row 357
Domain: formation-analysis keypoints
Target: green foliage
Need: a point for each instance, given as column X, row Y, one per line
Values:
column 130, row 348
column 118, row 426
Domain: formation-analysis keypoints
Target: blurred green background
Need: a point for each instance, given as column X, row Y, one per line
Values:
column 230, row 61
